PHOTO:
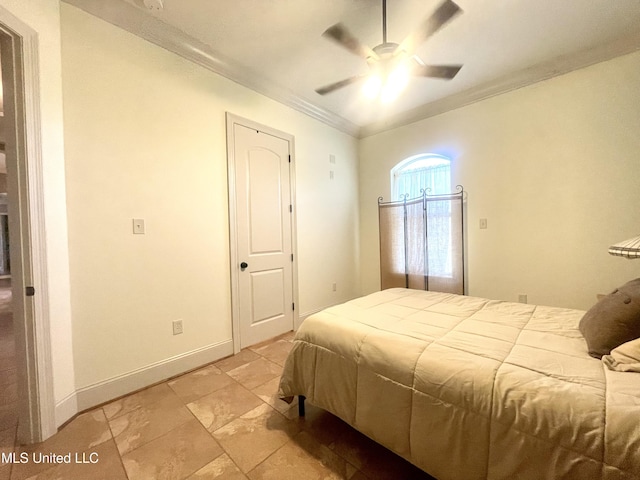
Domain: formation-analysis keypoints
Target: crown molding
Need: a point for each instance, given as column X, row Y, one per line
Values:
column 138, row 22
column 538, row 73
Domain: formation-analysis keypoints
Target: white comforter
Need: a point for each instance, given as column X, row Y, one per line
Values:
column 468, row 388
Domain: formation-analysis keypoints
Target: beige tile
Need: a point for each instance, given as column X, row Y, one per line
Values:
column 107, row 466
column 351, row 471
column 7, row 358
column 8, row 416
column 149, row 422
column 255, row 373
column 322, row 425
column 9, row 394
column 175, row 455
column 277, row 351
column 7, row 353
column 392, row 467
column 303, row 457
column 375, row 461
column 163, row 440
column 268, row 393
column 85, row 432
column 355, row 447
column 254, row 436
column 289, row 336
column 200, row 382
column 245, row 356
column 270, row 341
column 8, row 376
column 7, row 350
column 140, row 399
column 7, row 440
column 219, row 408
column 359, row 476
column 222, row 468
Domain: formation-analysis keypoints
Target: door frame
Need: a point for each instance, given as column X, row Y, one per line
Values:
column 231, row 121
column 34, row 370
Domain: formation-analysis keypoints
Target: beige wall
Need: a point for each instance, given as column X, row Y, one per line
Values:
column 553, row 168
column 145, row 138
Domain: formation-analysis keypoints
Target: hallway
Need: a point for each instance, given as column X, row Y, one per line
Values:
column 8, row 386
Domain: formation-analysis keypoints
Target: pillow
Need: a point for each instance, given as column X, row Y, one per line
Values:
column 625, row 358
column 613, row 321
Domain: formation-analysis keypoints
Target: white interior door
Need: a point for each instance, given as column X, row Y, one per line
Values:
column 264, row 256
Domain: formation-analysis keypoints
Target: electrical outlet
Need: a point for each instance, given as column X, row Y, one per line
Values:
column 522, row 298
column 483, row 223
column 177, row 327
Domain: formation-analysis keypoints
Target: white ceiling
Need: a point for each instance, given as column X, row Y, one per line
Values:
column 276, row 48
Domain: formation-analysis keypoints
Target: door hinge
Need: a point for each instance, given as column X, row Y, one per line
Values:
column 289, row 158
column 292, row 257
column 29, row 291
column 290, row 208
column 293, row 306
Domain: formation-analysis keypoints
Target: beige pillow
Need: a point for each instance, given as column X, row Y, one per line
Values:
column 625, row 358
column 613, row 321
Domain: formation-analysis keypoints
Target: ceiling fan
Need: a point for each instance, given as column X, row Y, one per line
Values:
column 390, row 63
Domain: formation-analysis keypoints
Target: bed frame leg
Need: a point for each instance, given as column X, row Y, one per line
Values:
column 301, row 399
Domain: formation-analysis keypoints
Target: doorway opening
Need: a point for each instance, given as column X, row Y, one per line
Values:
column 27, row 403
column 8, row 361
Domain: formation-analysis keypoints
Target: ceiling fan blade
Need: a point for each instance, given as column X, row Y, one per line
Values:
column 446, row 72
column 342, row 83
column 430, row 25
column 339, row 34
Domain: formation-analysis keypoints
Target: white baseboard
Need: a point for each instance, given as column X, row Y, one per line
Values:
column 66, row 409
column 115, row 387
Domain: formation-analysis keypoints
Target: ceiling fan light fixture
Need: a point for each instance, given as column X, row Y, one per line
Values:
column 386, row 86
column 397, row 81
column 371, row 88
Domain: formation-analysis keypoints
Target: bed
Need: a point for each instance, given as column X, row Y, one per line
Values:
column 469, row 388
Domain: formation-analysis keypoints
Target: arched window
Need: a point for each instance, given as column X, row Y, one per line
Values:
column 424, row 171
column 432, row 173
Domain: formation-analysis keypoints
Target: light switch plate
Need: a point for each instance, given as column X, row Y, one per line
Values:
column 177, row 327
column 138, row 226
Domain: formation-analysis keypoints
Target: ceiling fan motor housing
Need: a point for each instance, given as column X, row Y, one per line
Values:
column 385, row 49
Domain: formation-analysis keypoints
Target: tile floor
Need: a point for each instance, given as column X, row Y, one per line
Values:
column 8, row 386
column 221, row 421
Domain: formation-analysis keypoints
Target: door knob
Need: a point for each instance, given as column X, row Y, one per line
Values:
column 243, row 265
